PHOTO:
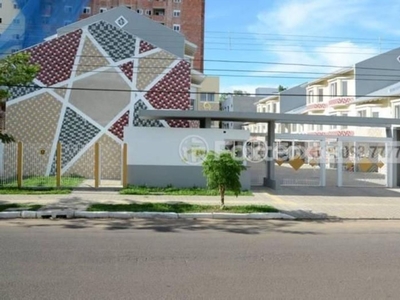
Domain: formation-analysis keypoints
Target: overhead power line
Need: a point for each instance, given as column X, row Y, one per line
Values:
column 174, row 92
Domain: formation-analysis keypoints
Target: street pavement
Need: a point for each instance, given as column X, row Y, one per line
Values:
column 173, row 259
column 300, row 202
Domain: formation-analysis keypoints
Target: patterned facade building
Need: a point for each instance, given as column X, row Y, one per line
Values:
column 93, row 81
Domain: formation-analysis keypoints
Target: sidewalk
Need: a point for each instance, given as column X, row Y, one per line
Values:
column 82, row 199
column 299, row 202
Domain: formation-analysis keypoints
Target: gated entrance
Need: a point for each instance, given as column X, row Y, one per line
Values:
column 307, row 160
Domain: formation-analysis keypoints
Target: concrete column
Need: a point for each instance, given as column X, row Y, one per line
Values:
column 270, row 181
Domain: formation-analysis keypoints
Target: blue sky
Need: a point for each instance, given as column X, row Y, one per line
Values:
column 292, row 38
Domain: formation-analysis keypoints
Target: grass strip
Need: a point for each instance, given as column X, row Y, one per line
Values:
column 181, row 208
column 8, row 206
column 144, row 190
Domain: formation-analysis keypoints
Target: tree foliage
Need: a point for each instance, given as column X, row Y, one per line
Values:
column 223, row 173
column 281, row 88
column 15, row 70
column 223, row 97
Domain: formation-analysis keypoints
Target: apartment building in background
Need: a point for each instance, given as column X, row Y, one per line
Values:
column 185, row 16
column 24, row 23
column 370, row 88
column 238, row 103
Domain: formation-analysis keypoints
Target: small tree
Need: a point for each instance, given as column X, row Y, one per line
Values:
column 223, row 173
column 281, row 88
column 15, row 70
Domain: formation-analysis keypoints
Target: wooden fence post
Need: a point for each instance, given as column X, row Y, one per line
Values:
column 125, row 166
column 58, row 166
column 20, row 162
column 96, row 165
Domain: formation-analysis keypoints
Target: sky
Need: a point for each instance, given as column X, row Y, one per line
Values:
column 267, row 43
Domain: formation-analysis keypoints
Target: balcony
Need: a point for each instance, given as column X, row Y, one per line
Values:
column 340, row 101
column 316, row 106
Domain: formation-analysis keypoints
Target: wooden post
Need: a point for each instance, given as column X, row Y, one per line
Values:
column 58, row 166
column 20, row 162
column 96, row 165
column 125, row 166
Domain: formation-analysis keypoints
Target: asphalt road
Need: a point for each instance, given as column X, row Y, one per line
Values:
column 81, row 259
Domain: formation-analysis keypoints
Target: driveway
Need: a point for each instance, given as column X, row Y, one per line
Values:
column 333, row 202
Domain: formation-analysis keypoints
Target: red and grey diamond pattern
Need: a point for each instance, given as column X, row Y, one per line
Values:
column 118, row 127
column 127, row 68
column 56, row 57
column 145, row 46
column 173, row 90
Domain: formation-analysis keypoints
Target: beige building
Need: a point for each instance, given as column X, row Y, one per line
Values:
column 205, row 96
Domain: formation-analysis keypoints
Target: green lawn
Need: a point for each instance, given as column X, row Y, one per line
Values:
column 41, row 185
column 34, row 191
column 144, row 190
column 3, row 207
column 180, row 208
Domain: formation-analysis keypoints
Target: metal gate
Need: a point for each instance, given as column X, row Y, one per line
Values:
column 307, row 160
column 299, row 161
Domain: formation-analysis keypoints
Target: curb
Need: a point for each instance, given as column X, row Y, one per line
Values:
column 69, row 214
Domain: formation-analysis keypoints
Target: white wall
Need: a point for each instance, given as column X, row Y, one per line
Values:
column 163, row 146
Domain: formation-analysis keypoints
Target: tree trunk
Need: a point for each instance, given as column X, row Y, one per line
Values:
column 222, row 193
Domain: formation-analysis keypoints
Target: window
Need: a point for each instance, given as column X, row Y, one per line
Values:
column 103, row 9
column 1, row 5
column 397, row 111
column 177, row 1
column 1, row 20
column 177, row 13
column 210, row 97
column 334, row 89
column 310, row 97
column 375, row 114
column 86, row 10
column 344, row 88
column 274, row 107
column 320, row 95
column 68, row 9
column 16, row 21
column 362, row 113
column 177, row 27
column 16, row 36
column 148, row 12
column 15, row 6
column 139, row 11
column 159, row 12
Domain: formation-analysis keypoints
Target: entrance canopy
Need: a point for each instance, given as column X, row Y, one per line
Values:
column 205, row 118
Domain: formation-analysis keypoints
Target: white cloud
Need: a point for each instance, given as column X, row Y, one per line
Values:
column 302, row 35
column 302, row 65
